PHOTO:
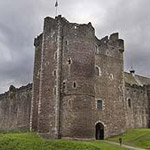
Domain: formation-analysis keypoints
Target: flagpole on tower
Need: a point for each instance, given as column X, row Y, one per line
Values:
column 56, row 6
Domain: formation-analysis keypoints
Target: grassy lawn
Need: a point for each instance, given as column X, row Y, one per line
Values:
column 31, row 141
column 135, row 137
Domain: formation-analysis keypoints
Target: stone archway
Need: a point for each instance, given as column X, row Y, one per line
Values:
column 99, row 131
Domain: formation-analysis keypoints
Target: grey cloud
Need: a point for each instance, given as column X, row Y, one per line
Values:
column 16, row 43
column 21, row 21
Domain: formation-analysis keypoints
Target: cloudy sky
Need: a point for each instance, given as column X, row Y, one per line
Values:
column 22, row 20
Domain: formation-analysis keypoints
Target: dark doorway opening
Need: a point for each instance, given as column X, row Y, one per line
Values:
column 99, row 134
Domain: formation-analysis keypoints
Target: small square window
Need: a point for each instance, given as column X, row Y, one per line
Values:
column 99, row 105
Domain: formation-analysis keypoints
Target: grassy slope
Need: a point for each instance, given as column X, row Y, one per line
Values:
column 30, row 141
column 135, row 137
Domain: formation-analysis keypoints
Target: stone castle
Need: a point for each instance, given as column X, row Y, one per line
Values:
column 80, row 89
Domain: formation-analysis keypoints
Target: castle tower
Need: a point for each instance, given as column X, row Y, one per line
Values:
column 63, row 94
column 78, row 85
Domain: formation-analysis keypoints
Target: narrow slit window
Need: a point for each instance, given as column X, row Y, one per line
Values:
column 54, row 72
column 55, row 56
column 96, row 49
column 129, row 102
column 74, row 85
column 66, row 42
column 54, row 90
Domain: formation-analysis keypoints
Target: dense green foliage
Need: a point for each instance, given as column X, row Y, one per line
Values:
column 135, row 137
column 31, row 141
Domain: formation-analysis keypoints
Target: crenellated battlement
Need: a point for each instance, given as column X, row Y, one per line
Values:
column 15, row 106
column 110, row 46
column 13, row 89
column 51, row 25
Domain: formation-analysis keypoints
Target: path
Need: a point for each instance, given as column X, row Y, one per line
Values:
column 125, row 146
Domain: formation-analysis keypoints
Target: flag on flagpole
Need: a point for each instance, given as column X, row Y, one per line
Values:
column 56, row 4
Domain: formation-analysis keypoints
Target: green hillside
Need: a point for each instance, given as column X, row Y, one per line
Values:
column 31, row 141
column 135, row 137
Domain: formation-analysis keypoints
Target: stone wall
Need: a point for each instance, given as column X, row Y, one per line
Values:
column 66, row 93
column 66, row 74
column 137, row 100
column 77, row 118
column 136, row 104
column 72, row 70
column 36, row 83
column 46, row 85
column 15, row 108
column 109, row 84
column 148, row 105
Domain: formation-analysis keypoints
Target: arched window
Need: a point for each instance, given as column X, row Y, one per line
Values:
column 97, row 72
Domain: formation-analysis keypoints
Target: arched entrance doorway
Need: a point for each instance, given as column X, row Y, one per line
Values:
column 99, row 131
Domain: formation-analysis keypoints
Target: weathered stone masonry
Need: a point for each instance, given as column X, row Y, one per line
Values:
column 15, row 108
column 70, row 88
column 80, row 89
column 137, row 94
column 109, row 84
